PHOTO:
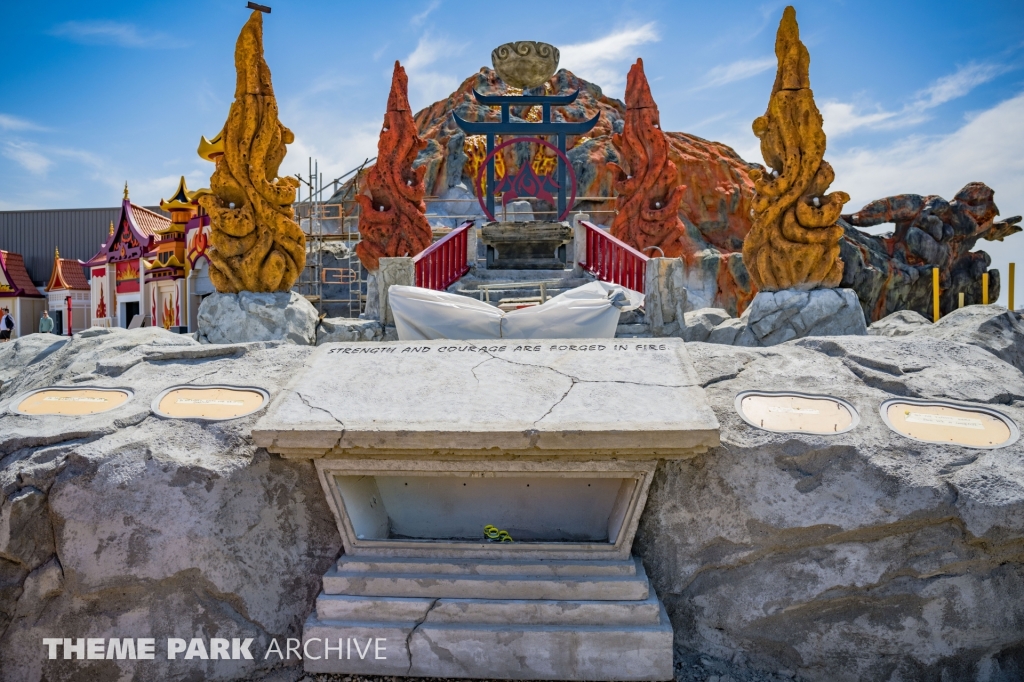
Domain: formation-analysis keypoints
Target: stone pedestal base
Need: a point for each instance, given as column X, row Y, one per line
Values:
column 536, row 245
column 246, row 317
column 517, row 620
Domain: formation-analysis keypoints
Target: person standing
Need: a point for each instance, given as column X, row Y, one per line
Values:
column 6, row 326
column 45, row 323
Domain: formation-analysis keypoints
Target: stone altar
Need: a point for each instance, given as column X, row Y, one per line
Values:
column 554, row 441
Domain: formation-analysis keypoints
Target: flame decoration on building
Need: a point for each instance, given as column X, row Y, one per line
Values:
column 392, row 220
column 794, row 239
column 101, row 309
column 255, row 243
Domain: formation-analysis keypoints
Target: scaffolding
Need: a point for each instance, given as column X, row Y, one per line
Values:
column 334, row 279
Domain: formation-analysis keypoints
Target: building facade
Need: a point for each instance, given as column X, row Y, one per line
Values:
column 68, row 296
column 19, row 295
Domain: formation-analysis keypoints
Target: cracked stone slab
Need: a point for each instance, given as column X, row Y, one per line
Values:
column 605, row 395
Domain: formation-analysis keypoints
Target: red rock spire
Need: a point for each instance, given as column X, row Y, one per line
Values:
column 391, row 220
column 649, row 192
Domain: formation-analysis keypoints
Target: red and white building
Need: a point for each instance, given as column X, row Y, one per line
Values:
column 19, row 295
column 68, row 295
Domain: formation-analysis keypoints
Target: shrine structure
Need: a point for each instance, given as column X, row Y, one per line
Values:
column 152, row 267
column 68, row 296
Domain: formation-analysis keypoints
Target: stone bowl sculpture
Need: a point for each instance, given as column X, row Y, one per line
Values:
column 525, row 63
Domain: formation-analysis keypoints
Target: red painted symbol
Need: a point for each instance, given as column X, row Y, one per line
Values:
column 526, row 183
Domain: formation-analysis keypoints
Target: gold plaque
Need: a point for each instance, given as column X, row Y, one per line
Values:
column 71, row 402
column 932, row 421
column 209, row 402
column 796, row 412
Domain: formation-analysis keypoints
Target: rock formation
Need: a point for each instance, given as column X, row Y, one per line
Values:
column 893, row 272
column 391, row 216
column 647, row 182
column 716, row 195
column 256, row 245
column 794, row 240
column 860, row 556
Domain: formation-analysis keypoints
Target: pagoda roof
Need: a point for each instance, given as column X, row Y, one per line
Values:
column 13, row 266
column 67, row 274
column 180, row 200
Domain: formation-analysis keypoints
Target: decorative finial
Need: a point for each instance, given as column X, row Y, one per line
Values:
column 125, row 189
column 111, row 227
column 56, row 252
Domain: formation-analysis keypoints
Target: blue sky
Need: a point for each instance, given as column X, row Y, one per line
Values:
column 917, row 96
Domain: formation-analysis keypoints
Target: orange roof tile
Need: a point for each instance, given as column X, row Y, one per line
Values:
column 14, row 268
column 148, row 222
column 67, row 274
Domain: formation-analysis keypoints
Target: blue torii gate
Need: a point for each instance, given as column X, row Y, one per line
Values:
column 531, row 130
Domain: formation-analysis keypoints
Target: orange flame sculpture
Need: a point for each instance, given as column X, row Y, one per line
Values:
column 392, row 220
column 794, row 240
column 256, row 245
column 649, row 193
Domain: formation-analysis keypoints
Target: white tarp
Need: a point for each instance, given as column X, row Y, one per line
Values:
column 587, row 312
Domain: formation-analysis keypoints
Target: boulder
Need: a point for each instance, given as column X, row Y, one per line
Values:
column 776, row 317
column 247, row 316
column 132, row 525
column 860, row 556
column 900, row 323
column 337, row 329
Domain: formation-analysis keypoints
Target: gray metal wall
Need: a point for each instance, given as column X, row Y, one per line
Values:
column 77, row 232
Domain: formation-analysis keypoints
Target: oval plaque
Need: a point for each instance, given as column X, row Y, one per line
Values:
column 796, row 412
column 209, row 402
column 69, row 401
column 933, row 421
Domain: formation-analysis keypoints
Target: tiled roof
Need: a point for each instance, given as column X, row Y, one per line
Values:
column 67, row 274
column 148, row 222
column 14, row 266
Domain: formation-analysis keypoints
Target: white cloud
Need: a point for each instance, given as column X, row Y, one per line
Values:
column 843, row 117
column 601, row 61
column 8, row 122
column 736, row 71
column 418, row 19
column 27, row 157
column 957, row 84
column 428, row 85
column 112, row 33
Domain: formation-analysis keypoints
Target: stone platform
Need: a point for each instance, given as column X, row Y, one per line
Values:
column 419, row 445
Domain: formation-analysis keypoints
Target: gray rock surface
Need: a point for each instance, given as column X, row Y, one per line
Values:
column 247, row 317
column 776, row 317
column 345, row 329
column 992, row 327
column 24, row 351
column 861, row 556
column 130, row 525
column 900, row 323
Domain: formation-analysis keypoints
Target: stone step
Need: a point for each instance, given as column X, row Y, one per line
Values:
column 511, row 651
column 351, row 564
column 499, row 586
column 487, row 611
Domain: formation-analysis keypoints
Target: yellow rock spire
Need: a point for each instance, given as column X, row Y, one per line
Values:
column 794, row 240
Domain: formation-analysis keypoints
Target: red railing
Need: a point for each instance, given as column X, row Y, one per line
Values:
column 443, row 262
column 612, row 260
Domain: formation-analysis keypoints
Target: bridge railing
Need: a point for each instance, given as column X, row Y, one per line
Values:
column 612, row 260
column 445, row 261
